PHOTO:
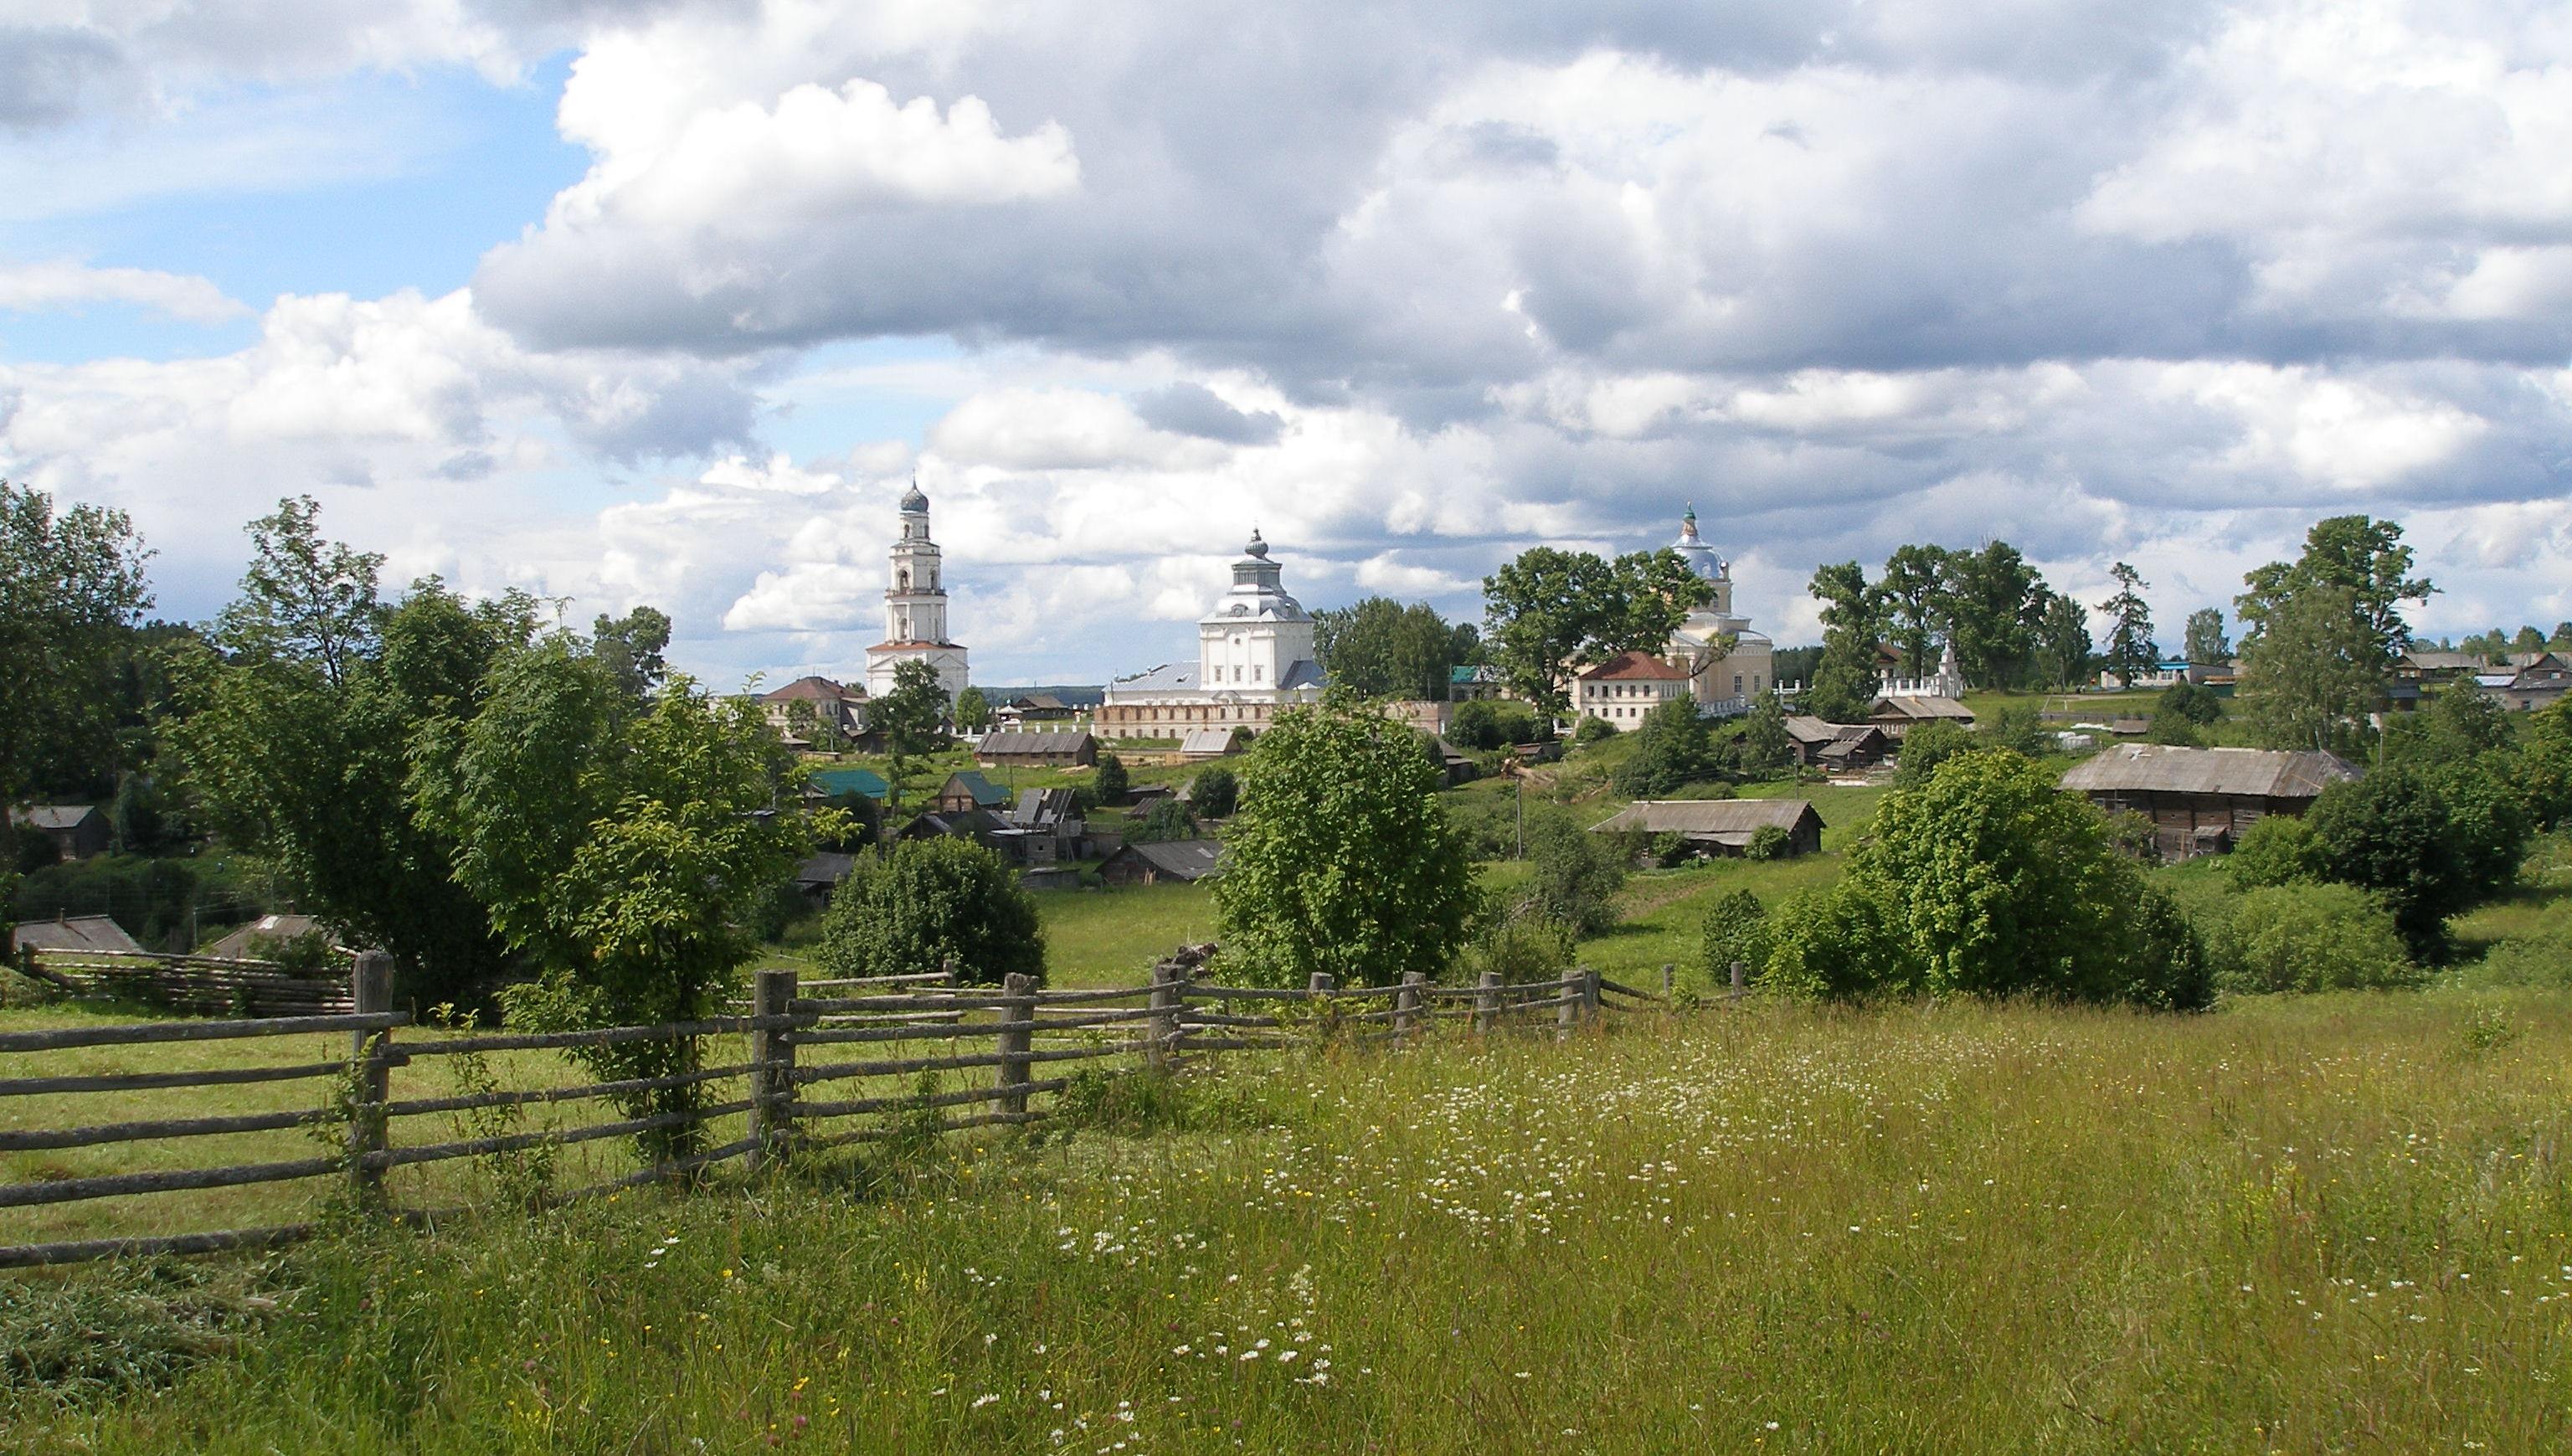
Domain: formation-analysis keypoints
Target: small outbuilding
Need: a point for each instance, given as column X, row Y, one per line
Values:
column 78, row 831
column 1179, row 861
column 91, row 935
column 1201, row 744
column 245, row 942
column 2203, row 800
column 839, row 783
column 1722, row 827
column 1021, row 748
column 1896, row 714
column 821, row 874
column 969, row 790
column 1838, row 747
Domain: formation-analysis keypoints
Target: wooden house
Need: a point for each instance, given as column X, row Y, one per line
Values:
column 1837, row 747
column 1199, row 745
column 1897, row 713
column 1722, row 827
column 76, row 934
column 77, row 831
column 2203, row 800
column 1035, row 749
column 1179, row 861
column 967, row 790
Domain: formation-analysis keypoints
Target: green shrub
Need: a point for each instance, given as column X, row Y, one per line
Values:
column 1768, row 842
column 2429, row 843
column 1578, row 874
column 1488, row 723
column 1165, row 820
column 1524, row 948
column 1111, row 780
column 1594, row 730
column 2018, row 727
column 2280, row 849
column 1736, row 929
column 1214, row 792
column 927, row 904
column 1841, row 943
column 1927, row 745
column 1671, row 751
column 1668, row 848
column 2308, row 938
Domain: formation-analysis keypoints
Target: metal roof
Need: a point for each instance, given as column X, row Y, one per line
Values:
column 1180, row 859
column 1021, row 741
column 53, row 816
column 1635, row 667
column 74, row 933
column 1209, row 740
column 2260, row 773
column 1910, row 706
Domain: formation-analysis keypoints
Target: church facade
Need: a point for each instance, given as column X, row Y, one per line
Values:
column 1728, row 664
column 915, row 609
column 1254, row 660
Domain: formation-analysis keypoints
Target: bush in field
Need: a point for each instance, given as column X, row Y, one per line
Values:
column 2308, row 938
column 1594, row 730
column 929, row 902
column 1523, row 947
column 1736, row 929
column 1768, row 842
column 2281, row 849
column 1987, row 880
column 1111, row 780
column 1927, row 745
column 2134, row 835
column 1578, row 874
column 2428, row 843
column 1167, row 819
column 1488, row 723
column 1339, row 858
column 1214, row 792
column 1667, row 849
column 2018, row 727
column 2191, row 702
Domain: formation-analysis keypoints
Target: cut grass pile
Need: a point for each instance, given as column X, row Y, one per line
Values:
column 2298, row 1225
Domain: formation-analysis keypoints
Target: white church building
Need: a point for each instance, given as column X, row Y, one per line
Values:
column 1728, row 664
column 1254, row 660
column 915, row 609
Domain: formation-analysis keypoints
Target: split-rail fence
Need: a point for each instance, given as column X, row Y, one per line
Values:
column 820, row 1054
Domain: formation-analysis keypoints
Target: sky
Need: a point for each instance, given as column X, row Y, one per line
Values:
column 667, row 301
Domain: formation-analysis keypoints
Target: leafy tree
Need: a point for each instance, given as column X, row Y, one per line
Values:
column 2131, row 652
column 1167, row 819
column 2173, row 730
column 2354, row 554
column 1488, row 723
column 1576, row 874
column 2399, row 834
column 1987, row 880
column 630, row 648
column 2018, row 727
column 2308, row 938
column 910, row 716
column 1550, row 612
column 1111, row 780
column 1996, row 602
column 300, row 743
column 2061, row 641
column 1540, row 610
column 852, row 821
column 1843, row 685
column 2528, row 640
column 1736, row 929
column 1594, row 730
column 2545, row 766
column 1671, row 751
column 2562, row 637
column 1214, row 792
column 2192, row 701
column 71, row 587
column 973, row 710
column 803, row 720
column 1765, row 744
column 2310, row 675
column 1917, row 600
column 2205, row 641
column 2456, row 724
column 1340, row 858
column 2277, row 849
column 621, row 849
column 1383, row 649
column 1927, row 745
column 930, row 904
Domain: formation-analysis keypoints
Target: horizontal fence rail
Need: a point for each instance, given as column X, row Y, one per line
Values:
column 785, row 1095
column 199, row 985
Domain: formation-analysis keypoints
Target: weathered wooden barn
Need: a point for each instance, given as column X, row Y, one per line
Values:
column 1002, row 747
column 1181, row 861
column 2202, row 800
column 1722, row 827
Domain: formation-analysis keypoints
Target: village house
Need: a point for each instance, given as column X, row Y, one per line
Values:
column 1624, row 689
column 967, row 790
column 1721, row 828
column 833, row 712
column 1020, row 748
column 978, row 825
column 78, row 831
column 1043, row 829
column 2533, row 681
column 818, row 875
column 1478, row 681
column 1174, row 861
column 1837, row 747
column 1018, row 712
column 1896, row 715
column 2203, row 800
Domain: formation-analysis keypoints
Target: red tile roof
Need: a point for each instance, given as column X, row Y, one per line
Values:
column 1633, row 667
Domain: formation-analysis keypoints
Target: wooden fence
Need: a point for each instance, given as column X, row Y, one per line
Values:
column 820, row 1052
column 196, row 984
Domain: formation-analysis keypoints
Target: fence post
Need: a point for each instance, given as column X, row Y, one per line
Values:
column 1589, row 988
column 1405, row 1005
column 370, row 989
column 1486, row 1002
column 1169, row 989
column 772, row 1077
column 1018, row 1004
column 1666, row 969
column 1738, row 975
column 1568, row 1014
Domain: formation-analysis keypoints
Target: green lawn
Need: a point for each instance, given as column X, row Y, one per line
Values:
column 1113, row 937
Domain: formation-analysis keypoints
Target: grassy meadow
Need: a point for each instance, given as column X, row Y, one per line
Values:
column 2299, row 1224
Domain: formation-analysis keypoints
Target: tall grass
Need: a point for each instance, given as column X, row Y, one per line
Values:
column 2313, row 1224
